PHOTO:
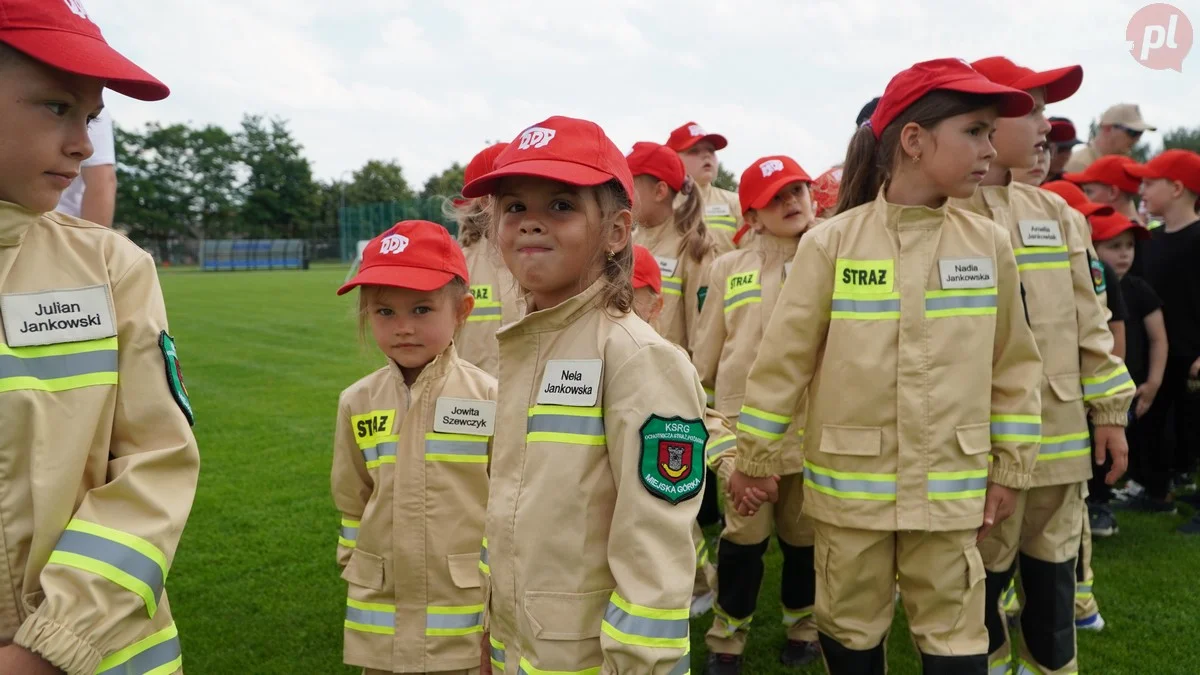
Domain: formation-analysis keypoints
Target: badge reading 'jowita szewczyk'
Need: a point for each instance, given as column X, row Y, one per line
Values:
column 671, row 452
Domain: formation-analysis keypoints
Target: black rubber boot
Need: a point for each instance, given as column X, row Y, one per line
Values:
column 740, row 578
column 954, row 665
column 1048, row 618
column 845, row 661
column 994, row 586
column 799, row 579
column 798, row 653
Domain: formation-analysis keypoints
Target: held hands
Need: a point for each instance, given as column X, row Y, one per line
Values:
column 748, row 494
column 16, row 660
column 998, row 505
column 1144, row 397
column 1110, row 440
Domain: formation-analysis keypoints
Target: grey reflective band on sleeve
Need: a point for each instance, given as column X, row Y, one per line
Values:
column 115, row 554
column 641, row 626
column 565, row 424
column 750, row 420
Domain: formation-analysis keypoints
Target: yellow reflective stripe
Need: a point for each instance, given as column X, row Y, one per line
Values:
column 960, row 302
column 349, row 533
column 60, row 367
column 1016, row 428
column 526, row 668
column 728, row 223
column 1042, row 258
column 1115, row 382
column 1065, row 446
column 110, row 572
column 710, row 397
column 454, row 621
column 58, row 384
column 156, row 654
column 102, row 560
column 554, row 424
column 865, row 306
column 672, row 286
column 747, row 300
column 370, row 617
column 763, row 424
column 732, row 625
column 641, row 641
column 64, row 349
column 850, row 485
column 648, row 612
column 497, row 655
column 460, row 448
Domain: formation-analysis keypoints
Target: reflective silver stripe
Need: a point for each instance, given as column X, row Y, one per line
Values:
column 55, row 367
column 751, row 420
column 946, row 485
column 485, row 311
column 791, row 617
column 120, row 556
column 644, row 627
column 721, row 445
column 385, row 449
column 850, row 484
column 1016, row 429
column 349, row 532
column 147, row 660
column 565, row 424
column 483, row 554
column 1065, row 446
column 1098, row 389
column 1031, row 258
column 959, row 302
column 734, row 299
column 865, row 306
column 672, row 283
column 453, row 621
column 1084, row 588
column 683, row 667
column 436, row 447
column 497, row 654
column 369, row 617
column 999, row 668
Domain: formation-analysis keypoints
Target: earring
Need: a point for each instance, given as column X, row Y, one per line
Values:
column 611, row 255
column 916, row 158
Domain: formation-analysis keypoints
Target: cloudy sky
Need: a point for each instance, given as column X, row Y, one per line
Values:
column 428, row 83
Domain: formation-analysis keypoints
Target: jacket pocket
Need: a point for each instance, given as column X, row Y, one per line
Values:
column 365, row 570
column 852, row 441
column 974, row 439
column 464, row 569
column 566, row 616
column 1066, row 387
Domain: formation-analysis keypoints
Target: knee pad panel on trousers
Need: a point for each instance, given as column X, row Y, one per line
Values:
column 739, row 576
column 799, row 583
column 996, row 584
column 1048, row 620
column 932, row 664
column 710, row 508
column 845, row 661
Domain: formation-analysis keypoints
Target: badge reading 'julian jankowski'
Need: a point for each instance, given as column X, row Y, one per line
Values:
column 175, row 376
column 672, row 448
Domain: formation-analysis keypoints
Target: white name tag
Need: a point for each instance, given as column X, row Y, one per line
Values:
column 1040, row 233
column 667, row 266
column 574, row 383
column 967, row 273
column 464, row 416
column 716, row 210
column 54, row 317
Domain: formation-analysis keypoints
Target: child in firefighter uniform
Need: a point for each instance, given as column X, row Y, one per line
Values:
column 1059, row 271
column 598, row 459
column 916, row 306
column 698, row 150
column 745, row 288
column 412, row 439
column 497, row 301
column 97, row 455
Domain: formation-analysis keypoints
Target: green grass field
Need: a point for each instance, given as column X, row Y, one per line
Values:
column 255, row 588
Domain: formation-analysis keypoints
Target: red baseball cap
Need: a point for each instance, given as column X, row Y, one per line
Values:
column 414, row 254
column 646, row 273
column 1175, row 164
column 481, row 164
column 1075, row 198
column 825, row 189
column 690, row 134
column 765, row 178
column 1062, row 132
column 652, row 159
column 565, row 149
column 1109, row 170
column 1060, row 83
column 59, row 34
column 948, row 74
column 1107, row 226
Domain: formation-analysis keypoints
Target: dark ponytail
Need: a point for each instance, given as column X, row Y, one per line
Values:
column 869, row 161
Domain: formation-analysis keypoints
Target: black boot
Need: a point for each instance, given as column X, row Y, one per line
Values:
column 797, row 653
column 994, row 586
column 845, row 661
column 723, row 664
column 1048, row 617
column 954, row 665
column 741, row 575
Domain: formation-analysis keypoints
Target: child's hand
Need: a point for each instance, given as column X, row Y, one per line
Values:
column 485, row 656
column 751, row 501
column 1144, row 397
column 16, row 660
column 739, row 484
column 998, row 505
column 1110, row 440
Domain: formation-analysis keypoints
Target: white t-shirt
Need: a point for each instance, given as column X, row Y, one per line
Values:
column 101, row 134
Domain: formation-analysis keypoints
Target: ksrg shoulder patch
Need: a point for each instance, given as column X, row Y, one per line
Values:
column 672, row 455
column 1097, row 274
column 175, row 376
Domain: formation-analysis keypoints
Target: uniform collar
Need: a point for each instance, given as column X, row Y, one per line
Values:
column 653, row 236
column 901, row 217
column 557, row 317
column 15, row 221
column 989, row 197
column 765, row 241
column 436, row 368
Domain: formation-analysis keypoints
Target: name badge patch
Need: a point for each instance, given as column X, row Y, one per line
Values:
column 716, row 210
column 575, row 383
column 474, row 417
column 58, row 316
column 1040, row 233
column 967, row 273
column 667, row 266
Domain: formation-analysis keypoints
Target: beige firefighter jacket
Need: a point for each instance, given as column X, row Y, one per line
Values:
column 98, row 465
column 906, row 328
column 722, row 215
column 497, row 303
column 410, row 479
column 682, row 280
column 1063, row 283
column 744, row 287
column 596, row 478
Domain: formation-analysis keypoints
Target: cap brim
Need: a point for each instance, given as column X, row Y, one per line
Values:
column 415, row 278
column 773, row 189
column 87, row 56
column 1010, row 102
column 1137, row 126
column 1069, row 143
column 718, row 142
column 1093, row 209
column 552, row 169
column 1060, row 83
column 1078, row 178
column 1141, row 172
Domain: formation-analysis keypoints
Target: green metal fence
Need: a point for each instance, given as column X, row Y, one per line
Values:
column 365, row 221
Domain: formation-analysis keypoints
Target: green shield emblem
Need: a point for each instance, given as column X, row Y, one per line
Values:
column 672, row 449
column 166, row 343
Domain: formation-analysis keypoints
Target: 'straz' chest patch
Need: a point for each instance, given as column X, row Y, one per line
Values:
column 855, row 277
column 371, row 426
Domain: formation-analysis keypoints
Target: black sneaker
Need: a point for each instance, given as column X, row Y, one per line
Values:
column 1148, row 505
column 724, row 664
column 1190, row 527
column 798, row 653
column 1102, row 521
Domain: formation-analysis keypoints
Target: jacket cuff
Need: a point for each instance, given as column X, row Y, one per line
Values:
column 1110, row 418
column 759, row 469
column 1003, row 473
column 724, row 469
column 58, row 645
